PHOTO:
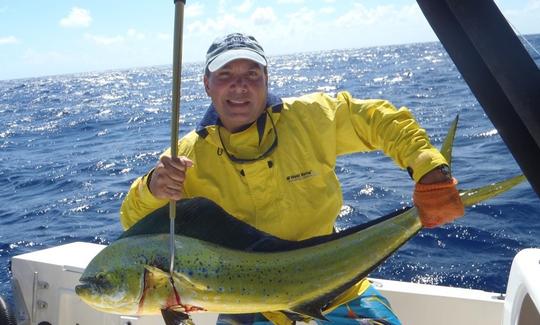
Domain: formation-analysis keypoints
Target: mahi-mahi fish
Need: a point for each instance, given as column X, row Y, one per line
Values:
column 223, row 265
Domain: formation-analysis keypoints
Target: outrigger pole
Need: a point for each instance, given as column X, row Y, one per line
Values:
column 499, row 72
column 176, row 93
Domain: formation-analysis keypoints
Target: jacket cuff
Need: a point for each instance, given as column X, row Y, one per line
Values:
column 425, row 162
column 436, row 186
column 144, row 192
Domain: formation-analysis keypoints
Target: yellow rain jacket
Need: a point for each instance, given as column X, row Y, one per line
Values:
column 292, row 193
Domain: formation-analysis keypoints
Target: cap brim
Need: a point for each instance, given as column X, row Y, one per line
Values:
column 232, row 55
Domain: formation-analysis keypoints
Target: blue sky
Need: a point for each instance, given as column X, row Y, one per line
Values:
column 40, row 38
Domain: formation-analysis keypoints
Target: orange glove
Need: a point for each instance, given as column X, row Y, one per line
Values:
column 438, row 203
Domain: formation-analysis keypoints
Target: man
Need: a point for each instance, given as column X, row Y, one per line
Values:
column 289, row 188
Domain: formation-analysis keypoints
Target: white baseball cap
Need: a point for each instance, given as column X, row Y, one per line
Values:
column 232, row 47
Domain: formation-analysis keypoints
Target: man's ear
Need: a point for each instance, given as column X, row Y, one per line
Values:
column 206, row 85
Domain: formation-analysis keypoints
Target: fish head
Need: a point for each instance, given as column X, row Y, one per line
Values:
column 113, row 281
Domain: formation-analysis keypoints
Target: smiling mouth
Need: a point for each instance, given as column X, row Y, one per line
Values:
column 237, row 102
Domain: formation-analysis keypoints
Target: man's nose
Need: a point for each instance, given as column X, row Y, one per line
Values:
column 239, row 84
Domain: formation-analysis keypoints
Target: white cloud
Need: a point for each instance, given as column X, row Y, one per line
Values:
column 131, row 35
column 223, row 7
column 303, row 17
column 412, row 12
column 302, row 28
column 194, row 10
column 263, row 16
column 163, row 36
column 245, row 6
column 77, row 17
column 533, row 4
column 8, row 40
column 327, row 10
column 216, row 27
column 362, row 15
column 523, row 19
column 134, row 34
column 104, row 40
column 289, row 2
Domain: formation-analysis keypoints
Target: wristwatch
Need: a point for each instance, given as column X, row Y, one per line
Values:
column 445, row 170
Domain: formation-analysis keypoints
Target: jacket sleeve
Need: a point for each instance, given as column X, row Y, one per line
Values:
column 365, row 125
column 138, row 203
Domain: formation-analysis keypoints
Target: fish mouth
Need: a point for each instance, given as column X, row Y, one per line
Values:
column 94, row 295
column 91, row 286
column 87, row 293
column 86, row 288
column 82, row 288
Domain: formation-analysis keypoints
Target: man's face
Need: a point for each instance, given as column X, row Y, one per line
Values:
column 238, row 91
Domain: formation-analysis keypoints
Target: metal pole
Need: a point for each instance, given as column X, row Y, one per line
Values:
column 498, row 70
column 175, row 124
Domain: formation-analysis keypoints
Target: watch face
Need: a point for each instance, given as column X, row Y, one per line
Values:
column 445, row 169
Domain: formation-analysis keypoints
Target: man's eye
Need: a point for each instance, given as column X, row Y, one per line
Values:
column 253, row 74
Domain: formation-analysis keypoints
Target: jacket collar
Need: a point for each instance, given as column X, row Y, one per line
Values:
column 211, row 117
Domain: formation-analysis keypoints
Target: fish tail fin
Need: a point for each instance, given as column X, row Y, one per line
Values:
column 474, row 196
column 448, row 143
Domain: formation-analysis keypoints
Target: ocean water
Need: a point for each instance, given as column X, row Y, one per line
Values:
column 71, row 145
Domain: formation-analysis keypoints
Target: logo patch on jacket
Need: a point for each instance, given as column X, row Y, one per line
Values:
column 300, row 176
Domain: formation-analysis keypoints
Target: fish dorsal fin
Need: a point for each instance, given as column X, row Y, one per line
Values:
column 203, row 219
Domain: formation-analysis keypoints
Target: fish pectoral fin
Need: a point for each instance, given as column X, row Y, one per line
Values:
column 177, row 277
column 157, row 272
column 180, row 277
column 312, row 311
column 174, row 317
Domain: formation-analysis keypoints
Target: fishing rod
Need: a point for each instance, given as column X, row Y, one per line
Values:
column 175, row 119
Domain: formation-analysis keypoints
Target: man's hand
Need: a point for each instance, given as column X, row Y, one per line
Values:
column 167, row 179
column 437, row 199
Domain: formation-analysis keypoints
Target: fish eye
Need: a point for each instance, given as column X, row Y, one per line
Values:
column 100, row 276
